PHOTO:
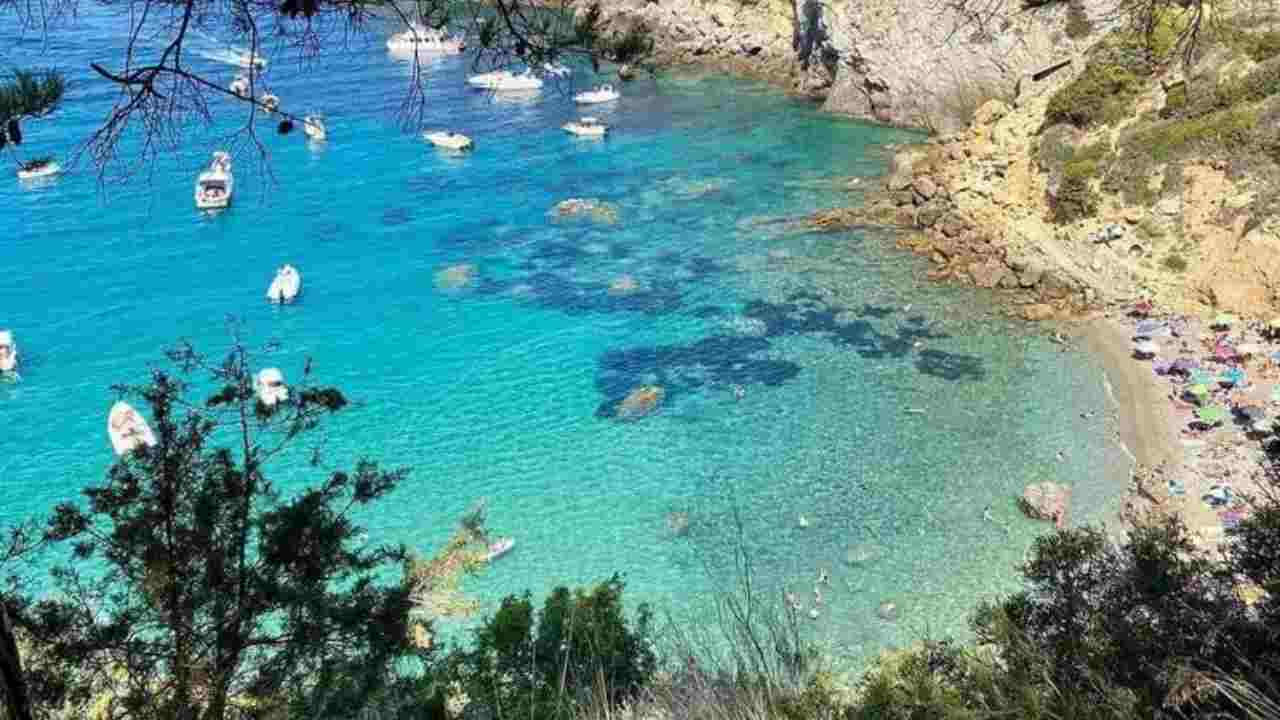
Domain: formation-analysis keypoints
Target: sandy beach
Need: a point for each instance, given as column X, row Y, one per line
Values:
column 1177, row 468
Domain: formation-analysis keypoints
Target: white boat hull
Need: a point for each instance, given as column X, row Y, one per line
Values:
column 270, row 388
column 498, row 548
column 591, row 98
column 8, row 352
column 505, row 81
column 285, row 287
column 49, row 170
column 449, row 141
column 127, row 429
column 585, row 131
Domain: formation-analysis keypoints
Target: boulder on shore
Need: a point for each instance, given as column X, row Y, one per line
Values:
column 1046, row 501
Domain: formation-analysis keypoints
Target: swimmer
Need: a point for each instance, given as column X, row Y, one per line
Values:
column 793, row 602
column 803, row 522
column 986, row 514
column 739, row 392
column 823, row 577
column 817, row 597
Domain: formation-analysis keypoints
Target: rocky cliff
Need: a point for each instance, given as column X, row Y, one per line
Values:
column 916, row 63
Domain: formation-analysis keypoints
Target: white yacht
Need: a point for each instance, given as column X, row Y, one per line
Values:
column 419, row 38
column 499, row 80
column 127, row 429
column 8, row 352
column 586, row 127
column 313, row 126
column 240, row 86
column 215, row 185
column 597, row 95
column 34, row 169
column 270, row 388
column 286, row 285
column 270, row 102
column 498, row 548
column 246, row 59
column 448, row 140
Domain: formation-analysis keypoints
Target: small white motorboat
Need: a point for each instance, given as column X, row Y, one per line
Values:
column 8, row 352
column 127, row 429
column 498, row 548
column 586, row 127
column 313, row 126
column 448, row 140
column 240, row 86
column 500, row 80
column 270, row 388
column 597, row 95
column 286, row 285
column 270, row 102
column 215, row 185
column 556, row 69
column 246, row 59
column 422, row 39
column 35, row 169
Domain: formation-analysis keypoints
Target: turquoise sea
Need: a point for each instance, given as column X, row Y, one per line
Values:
column 885, row 410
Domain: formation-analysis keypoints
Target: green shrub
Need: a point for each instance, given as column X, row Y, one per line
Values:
column 1175, row 100
column 1104, row 93
column 578, row 645
column 1076, row 198
column 1260, row 47
column 1078, row 25
column 1175, row 262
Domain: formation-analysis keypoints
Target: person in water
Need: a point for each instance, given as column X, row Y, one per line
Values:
column 823, row 577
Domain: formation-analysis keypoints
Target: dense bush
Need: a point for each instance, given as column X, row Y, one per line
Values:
column 1075, row 197
column 578, row 650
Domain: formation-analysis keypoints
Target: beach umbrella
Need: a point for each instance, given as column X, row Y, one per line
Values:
column 1178, row 326
column 1146, row 347
column 1162, row 367
column 1211, row 415
column 1223, row 320
column 1185, row 365
column 1199, row 393
column 1232, row 376
column 1223, row 351
column 1142, row 307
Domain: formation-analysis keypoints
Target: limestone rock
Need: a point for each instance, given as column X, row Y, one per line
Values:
column 988, row 274
column 456, row 277
column 593, row 209
column 1047, row 501
column 925, row 187
column 640, row 402
column 900, row 172
column 623, row 285
column 990, row 112
column 887, row 611
column 1037, row 312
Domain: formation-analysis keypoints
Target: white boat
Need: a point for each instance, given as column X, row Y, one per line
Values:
column 286, row 285
column 127, row 429
column 448, row 140
column 8, row 352
column 498, row 548
column 500, row 80
column 556, row 69
column 313, row 126
column 270, row 102
column 215, row 185
column 597, row 95
column 586, row 127
column 422, row 39
column 270, row 388
column 240, row 86
column 246, row 59
column 38, row 169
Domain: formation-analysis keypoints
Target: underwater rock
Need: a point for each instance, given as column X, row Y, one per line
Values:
column 863, row 554
column 887, row 611
column 678, row 522
column 623, row 285
column 1046, row 501
column 597, row 210
column 455, row 277
column 747, row 326
column 640, row 402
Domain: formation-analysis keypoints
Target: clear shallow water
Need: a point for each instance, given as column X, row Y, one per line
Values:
column 495, row 390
